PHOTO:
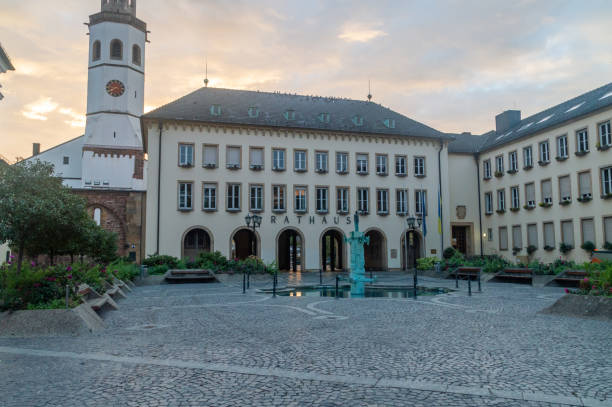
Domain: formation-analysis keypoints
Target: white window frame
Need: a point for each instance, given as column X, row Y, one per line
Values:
column 515, row 197
column 605, row 134
column 488, row 203
column 362, row 163
column 215, row 162
column 501, row 199
column 606, row 181
column 209, row 194
column 279, row 198
column 420, row 198
column 419, row 166
column 301, row 199
column 582, row 141
column 486, row 169
column 299, row 160
column 382, row 201
column 381, row 164
column 528, row 157
column 562, row 146
column 186, row 155
column 233, row 196
column 401, row 201
column 278, row 159
column 400, row 165
column 544, row 150
column 256, row 199
column 321, row 161
column 513, row 160
column 342, row 200
column 342, row 162
column 185, row 196
column 363, row 198
column 322, row 199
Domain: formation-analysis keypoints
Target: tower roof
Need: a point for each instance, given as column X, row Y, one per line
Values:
column 118, row 11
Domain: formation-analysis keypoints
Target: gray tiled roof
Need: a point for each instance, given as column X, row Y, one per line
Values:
column 568, row 110
column 466, row 143
column 271, row 108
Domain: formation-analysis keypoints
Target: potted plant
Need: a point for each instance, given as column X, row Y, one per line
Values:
column 588, row 247
column 565, row 248
column 531, row 249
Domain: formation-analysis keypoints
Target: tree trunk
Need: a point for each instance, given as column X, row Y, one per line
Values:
column 20, row 257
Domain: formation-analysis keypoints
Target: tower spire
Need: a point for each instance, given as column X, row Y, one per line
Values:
column 369, row 92
column 206, row 74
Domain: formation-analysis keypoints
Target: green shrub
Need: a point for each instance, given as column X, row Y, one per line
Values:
column 565, row 248
column 124, row 269
column 157, row 270
column 212, row 261
column 607, row 246
column 426, row 263
column 449, row 252
column 156, row 260
column 588, row 247
column 530, row 249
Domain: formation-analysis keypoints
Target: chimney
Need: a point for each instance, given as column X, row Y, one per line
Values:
column 507, row 119
column 35, row 148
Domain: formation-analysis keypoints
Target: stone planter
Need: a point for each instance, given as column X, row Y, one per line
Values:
column 582, row 306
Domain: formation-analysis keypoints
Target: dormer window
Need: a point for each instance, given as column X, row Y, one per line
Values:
column 253, row 112
column 289, row 114
column 389, row 123
column 116, row 49
column 324, row 117
column 215, row 110
column 357, row 120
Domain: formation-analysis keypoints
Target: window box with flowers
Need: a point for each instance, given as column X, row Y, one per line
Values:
column 527, row 167
column 549, row 248
column 545, row 204
column 581, row 153
column 607, row 196
column 543, row 163
column 565, row 202
column 499, row 174
column 584, row 198
column 512, row 171
column 602, row 148
column 531, row 249
column 565, row 248
column 559, row 158
column 528, row 207
column 500, row 211
column 515, row 209
column 516, row 250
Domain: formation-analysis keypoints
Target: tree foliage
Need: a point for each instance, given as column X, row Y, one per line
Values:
column 39, row 215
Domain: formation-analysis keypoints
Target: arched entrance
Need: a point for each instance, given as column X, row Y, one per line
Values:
column 413, row 240
column 196, row 241
column 375, row 253
column 290, row 249
column 243, row 244
column 332, row 250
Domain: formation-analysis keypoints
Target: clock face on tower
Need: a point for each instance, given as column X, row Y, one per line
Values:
column 115, row 88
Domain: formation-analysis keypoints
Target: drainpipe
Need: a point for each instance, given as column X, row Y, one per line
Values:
column 159, row 159
column 440, row 197
column 476, row 158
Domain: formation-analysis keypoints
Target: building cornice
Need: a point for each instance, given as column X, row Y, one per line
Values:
column 122, row 18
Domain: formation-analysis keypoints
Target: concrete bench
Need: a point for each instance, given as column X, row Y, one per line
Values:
column 190, row 276
column 568, row 278
column 514, row 275
column 113, row 290
column 96, row 301
column 121, row 284
column 465, row 273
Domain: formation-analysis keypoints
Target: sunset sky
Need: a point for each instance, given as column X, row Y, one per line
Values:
column 452, row 65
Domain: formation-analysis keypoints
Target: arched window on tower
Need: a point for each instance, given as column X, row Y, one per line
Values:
column 97, row 216
column 96, row 51
column 116, row 49
column 136, row 59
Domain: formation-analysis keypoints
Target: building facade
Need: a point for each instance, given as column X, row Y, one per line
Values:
column 5, row 65
column 304, row 164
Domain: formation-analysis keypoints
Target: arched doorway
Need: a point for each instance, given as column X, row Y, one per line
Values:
column 243, row 244
column 332, row 250
column 411, row 242
column 375, row 253
column 195, row 242
column 290, row 249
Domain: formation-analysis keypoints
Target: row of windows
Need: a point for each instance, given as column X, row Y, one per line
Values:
column 582, row 148
column 547, row 231
column 585, row 192
column 116, row 51
column 289, row 115
column 233, row 159
column 233, row 199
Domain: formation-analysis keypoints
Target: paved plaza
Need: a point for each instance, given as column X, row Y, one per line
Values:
column 210, row 345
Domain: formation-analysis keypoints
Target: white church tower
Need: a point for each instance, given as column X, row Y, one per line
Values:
column 113, row 155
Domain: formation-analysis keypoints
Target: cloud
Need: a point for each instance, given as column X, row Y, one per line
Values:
column 76, row 119
column 355, row 32
column 40, row 109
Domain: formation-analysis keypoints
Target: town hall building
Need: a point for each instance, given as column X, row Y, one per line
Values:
column 183, row 178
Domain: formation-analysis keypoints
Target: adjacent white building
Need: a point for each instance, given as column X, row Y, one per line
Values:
column 5, row 65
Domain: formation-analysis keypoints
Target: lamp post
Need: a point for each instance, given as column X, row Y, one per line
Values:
column 414, row 223
column 253, row 221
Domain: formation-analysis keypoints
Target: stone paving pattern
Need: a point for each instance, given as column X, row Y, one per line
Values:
column 210, row 345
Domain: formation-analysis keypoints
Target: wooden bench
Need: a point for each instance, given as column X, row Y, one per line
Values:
column 96, row 301
column 514, row 275
column 569, row 278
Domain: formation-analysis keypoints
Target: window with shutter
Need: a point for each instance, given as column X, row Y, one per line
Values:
column 588, row 230
column 564, row 188
column 530, row 193
column 532, row 235
column 210, row 156
column 256, row 158
column 567, row 232
column 503, row 238
column 233, row 157
column 584, row 184
column 549, row 234
column 547, row 191
column 608, row 229
column 517, row 237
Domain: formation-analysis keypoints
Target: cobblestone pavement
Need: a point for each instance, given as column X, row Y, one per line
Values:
column 210, row 345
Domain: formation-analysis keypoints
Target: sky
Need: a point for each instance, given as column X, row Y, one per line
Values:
column 451, row 64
